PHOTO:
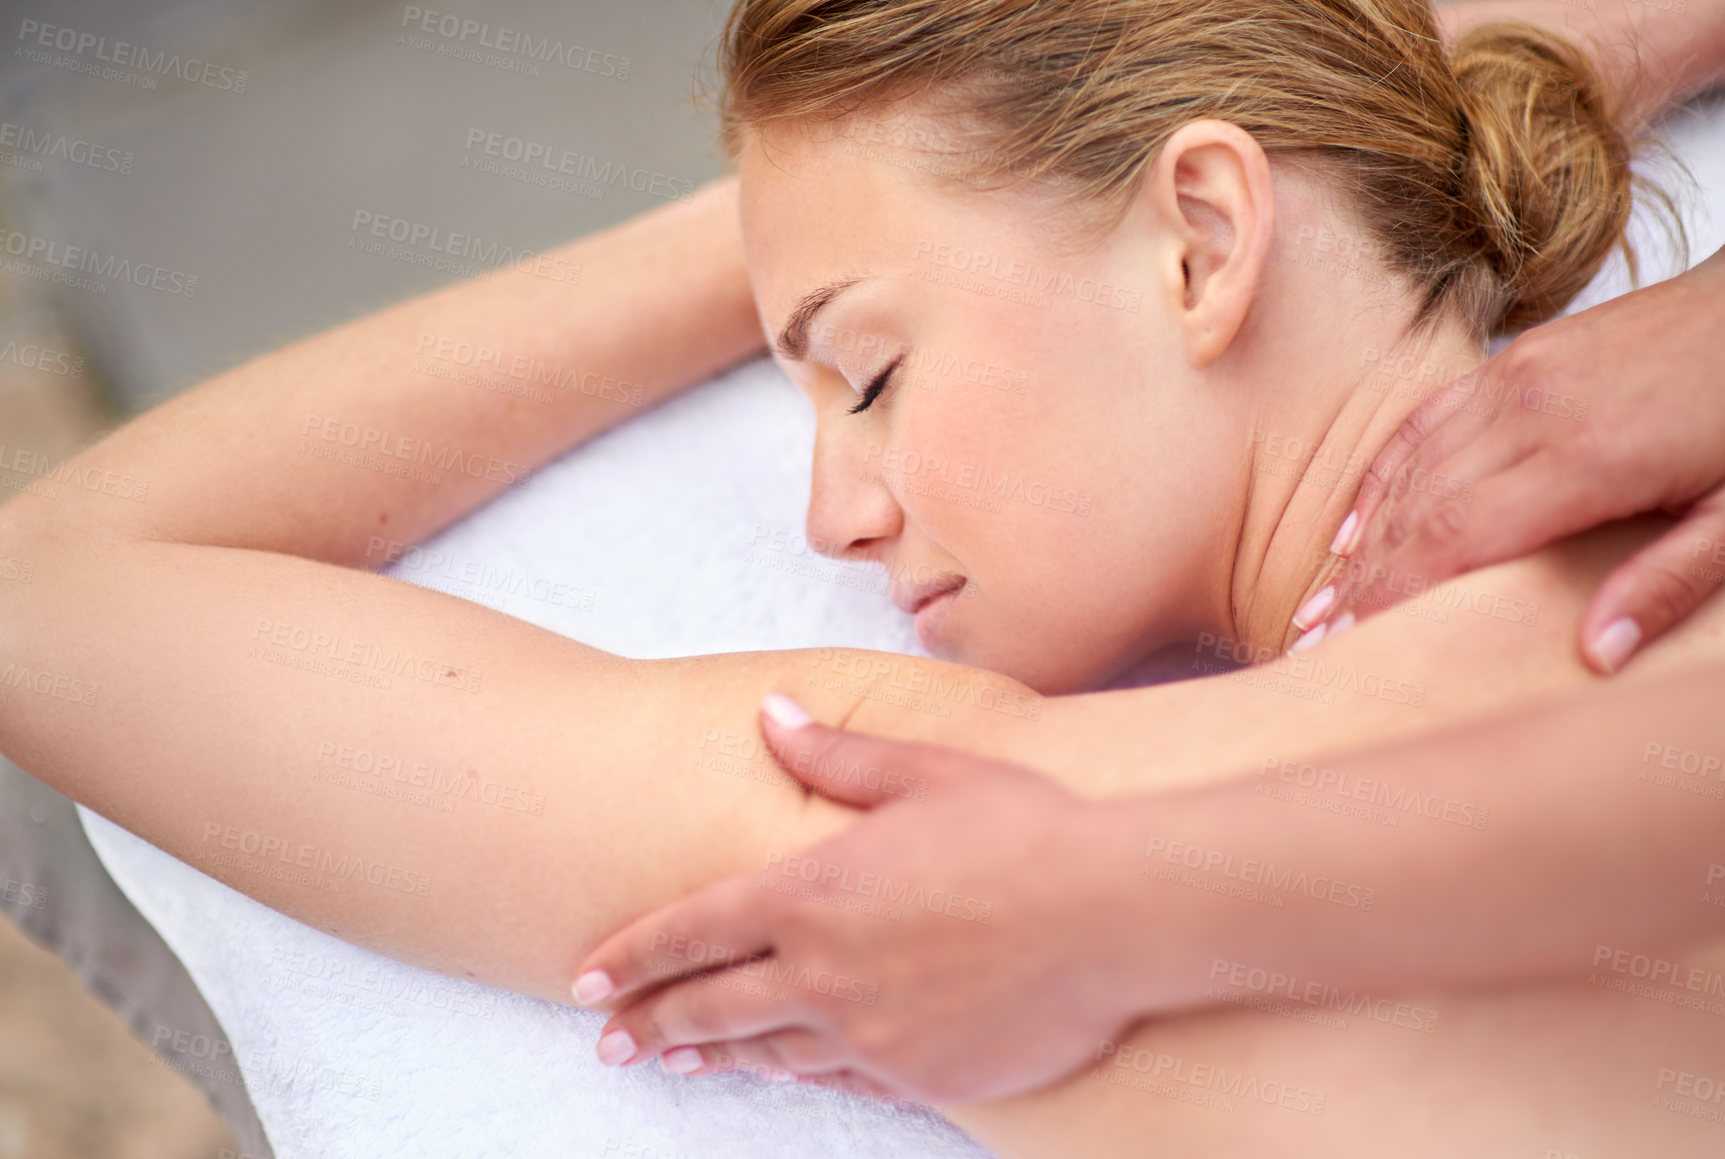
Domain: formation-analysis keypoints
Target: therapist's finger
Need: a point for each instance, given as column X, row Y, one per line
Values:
column 708, row 1008
column 854, row 768
column 1431, row 433
column 728, row 922
column 1507, row 515
column 853, row 1083
column 1656, row 587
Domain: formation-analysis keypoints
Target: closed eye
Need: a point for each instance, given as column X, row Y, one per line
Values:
column 876, row 388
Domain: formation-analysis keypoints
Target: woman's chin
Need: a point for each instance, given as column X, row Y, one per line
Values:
column 951, row 628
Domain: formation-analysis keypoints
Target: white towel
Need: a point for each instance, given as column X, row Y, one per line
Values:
column 686, row 528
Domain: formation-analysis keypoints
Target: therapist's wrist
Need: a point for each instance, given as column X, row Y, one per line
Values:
column 1651, row 54
column 1236, row 891
column 1173, row 909
column 1679, row 52
column 1706, row 69
column 1710, row 273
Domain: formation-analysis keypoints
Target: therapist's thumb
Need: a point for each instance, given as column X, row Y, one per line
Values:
column 854, row 768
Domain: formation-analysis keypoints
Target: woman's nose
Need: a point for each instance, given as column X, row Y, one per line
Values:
column 851, row 511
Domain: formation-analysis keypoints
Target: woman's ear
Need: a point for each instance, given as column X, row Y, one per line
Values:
column 1210, row 188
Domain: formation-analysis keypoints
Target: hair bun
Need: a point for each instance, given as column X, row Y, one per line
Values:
column 1491, row 172
column 1543, row 166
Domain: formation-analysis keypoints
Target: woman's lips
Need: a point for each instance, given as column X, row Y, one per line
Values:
column 910, row 597
column 931, row 615
column 930, row 618
column 930, row 602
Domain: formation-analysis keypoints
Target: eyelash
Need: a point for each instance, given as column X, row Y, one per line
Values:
column 876, row 388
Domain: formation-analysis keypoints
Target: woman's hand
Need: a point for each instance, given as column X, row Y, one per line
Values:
column 1605, row 414
column 962, row 941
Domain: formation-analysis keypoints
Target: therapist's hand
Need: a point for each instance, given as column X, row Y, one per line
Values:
column 966, row 939
column 1605, row 414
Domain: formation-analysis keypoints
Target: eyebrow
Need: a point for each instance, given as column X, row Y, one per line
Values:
column 793, row 340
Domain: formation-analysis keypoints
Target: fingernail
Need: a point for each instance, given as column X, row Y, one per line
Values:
column 681, row 1060
column 1346, row 534
column 593, row 986
column 1339, row 625
column 616, row 1048
column 1616, row 642
column 785, row 712
column 1313, row 609
column 1309, row 638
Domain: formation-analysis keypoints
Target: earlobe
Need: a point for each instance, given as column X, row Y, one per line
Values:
column 1211, row 186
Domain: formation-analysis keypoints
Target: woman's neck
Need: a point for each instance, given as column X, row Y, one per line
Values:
column 1339, row 371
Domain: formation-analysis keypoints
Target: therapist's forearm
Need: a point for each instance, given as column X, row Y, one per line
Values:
column 1653, row 55
column 388, row 428
column 1533, row 841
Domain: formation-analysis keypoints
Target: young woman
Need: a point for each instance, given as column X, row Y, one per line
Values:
column 1214, row 252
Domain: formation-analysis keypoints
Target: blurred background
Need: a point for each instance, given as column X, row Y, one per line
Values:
column 219, row 152
column 211, row 158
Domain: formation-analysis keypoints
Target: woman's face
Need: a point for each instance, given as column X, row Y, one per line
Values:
column 1050, row 485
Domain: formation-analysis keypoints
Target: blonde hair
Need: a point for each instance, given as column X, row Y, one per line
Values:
column 1493, row 172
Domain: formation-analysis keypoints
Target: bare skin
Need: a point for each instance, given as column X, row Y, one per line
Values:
column 172, row 609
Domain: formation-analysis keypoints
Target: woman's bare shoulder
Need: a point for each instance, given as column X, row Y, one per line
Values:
column 1471, row 646
column 1523, row 619
column 1481, row 642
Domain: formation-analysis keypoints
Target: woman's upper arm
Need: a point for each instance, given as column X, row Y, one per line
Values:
column 407, row 770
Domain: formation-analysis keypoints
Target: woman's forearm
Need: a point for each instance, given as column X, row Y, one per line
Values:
column 386, row 429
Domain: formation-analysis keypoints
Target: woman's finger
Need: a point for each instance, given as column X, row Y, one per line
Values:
column 708, row 1008
column 725, row 923
column 1656, row 587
